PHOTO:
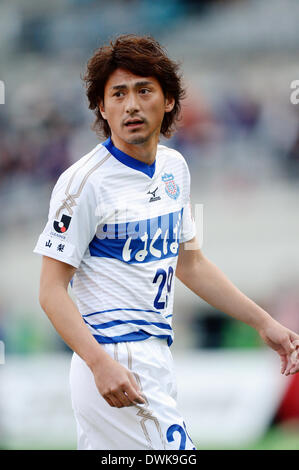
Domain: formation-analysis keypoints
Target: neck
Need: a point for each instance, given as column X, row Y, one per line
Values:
column 145, row 152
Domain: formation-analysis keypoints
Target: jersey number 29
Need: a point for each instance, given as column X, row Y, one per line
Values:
column 164, row 278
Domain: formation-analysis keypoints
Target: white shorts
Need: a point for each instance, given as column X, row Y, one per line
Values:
column 155, row 425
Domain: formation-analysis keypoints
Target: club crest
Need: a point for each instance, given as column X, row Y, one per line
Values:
column 171, row 188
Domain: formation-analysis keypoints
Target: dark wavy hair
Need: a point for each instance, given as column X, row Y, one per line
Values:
column 143, row 56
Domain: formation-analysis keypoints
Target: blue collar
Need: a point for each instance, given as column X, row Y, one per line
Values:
column 124, row 158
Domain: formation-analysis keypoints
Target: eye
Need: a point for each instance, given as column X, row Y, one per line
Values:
column 144, row 91
column 118, row 94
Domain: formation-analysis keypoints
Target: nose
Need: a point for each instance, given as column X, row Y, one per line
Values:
column 132, row 105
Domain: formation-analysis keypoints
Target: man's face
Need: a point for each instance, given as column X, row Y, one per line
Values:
column 134, row 106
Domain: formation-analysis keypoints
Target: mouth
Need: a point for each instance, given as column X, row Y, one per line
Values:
column 134, row 123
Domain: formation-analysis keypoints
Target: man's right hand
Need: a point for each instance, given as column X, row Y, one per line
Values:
column 116, row 384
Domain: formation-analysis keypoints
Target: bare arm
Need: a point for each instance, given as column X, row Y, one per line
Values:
column 208, row 282
column 115, row 383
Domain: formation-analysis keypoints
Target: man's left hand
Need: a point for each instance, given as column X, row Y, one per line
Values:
column 285, row 342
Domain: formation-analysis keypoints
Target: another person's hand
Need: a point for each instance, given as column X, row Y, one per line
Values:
column 116, row 384
column 285, row 342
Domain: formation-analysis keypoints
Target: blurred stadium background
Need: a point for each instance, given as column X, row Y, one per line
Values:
column 240, row 135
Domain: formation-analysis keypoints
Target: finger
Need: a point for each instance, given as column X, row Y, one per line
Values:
column 289, row 367
column 288, row 345
column 134, row 394
column 108, row 400
column 137, row 389
column 111, row 400
column 123, row 398
column 294, row 356
column 284, row 362
column 294, row 336
column 292, row 362
column 295, row 361
column 114, row 398
column 130, row 401
column 295, row 367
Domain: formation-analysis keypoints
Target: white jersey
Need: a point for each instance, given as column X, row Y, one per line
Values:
column 119, row 221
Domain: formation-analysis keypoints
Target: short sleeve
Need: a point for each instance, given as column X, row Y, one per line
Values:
column 188, row 229
column 72, row 221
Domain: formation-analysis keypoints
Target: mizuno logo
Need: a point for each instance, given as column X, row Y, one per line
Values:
column 154, row 197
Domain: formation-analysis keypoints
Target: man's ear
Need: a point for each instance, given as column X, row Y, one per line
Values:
column 102, row 109
column 169, row 104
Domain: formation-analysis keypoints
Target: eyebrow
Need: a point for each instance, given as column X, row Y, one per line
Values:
column 136, row 85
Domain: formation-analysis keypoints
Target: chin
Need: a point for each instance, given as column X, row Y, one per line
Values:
column 137, row 139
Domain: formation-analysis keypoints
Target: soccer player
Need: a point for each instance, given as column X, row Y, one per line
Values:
column 119, row 230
